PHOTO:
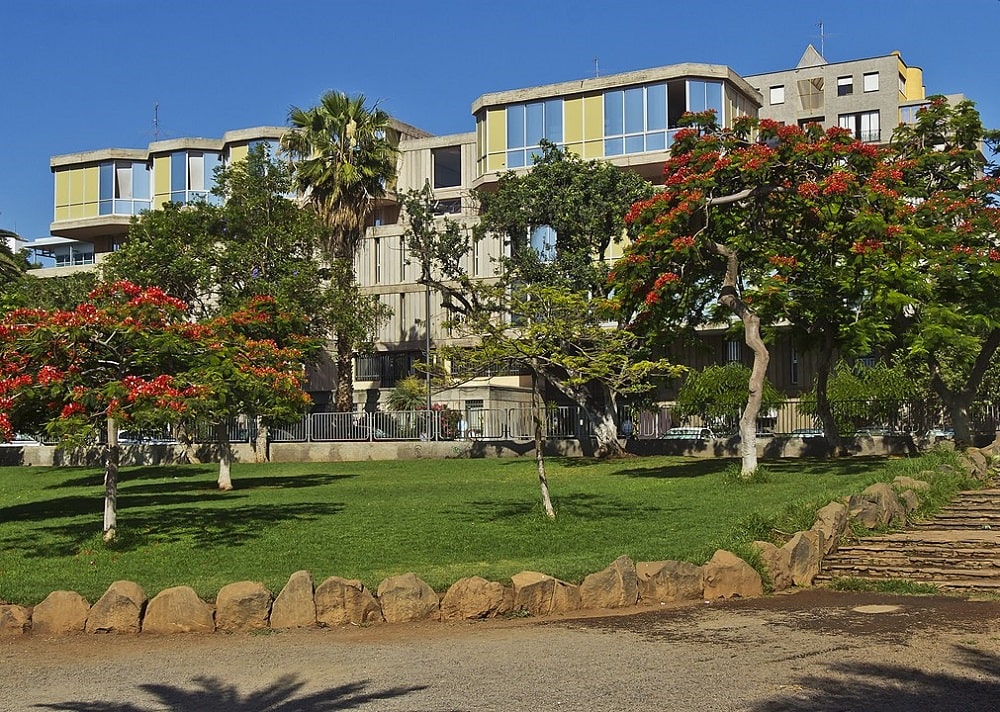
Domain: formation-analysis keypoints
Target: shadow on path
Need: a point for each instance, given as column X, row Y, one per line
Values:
column 879, row 687
column 209, row 693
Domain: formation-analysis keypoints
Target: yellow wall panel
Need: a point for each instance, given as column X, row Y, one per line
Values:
column 74, row 177
column 90, row 210
column 495, row 162
column 62, row 212
column 576, row 148
column 62, row 187
column 915, row 84
column 239, row 152
column 496, row 130
column 91, row 184
column 161, row 179
column 573, row 119
column 593, row 117
column 593, row 149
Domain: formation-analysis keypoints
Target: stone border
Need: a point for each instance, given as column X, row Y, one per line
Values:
column 250, row 606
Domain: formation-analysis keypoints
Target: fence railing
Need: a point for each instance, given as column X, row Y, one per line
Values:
column 861, row 417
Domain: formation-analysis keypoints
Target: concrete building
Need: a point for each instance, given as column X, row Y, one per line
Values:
column 627, row 119
column 870, row 97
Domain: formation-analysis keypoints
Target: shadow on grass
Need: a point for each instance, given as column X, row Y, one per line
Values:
column 209, row 693
column 580, row 506
column 877, row 687
column 207, row 527
column 131, row 474
column 798, row 466
column 166, row 492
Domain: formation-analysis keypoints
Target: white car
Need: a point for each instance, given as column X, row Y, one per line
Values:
column 688, row 434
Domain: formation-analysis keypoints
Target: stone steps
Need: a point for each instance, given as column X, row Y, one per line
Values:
column 958, row 550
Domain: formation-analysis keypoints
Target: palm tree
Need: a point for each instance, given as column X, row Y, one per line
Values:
column 344, row 155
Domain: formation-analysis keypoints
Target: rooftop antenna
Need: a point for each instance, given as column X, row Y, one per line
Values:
column 822, row 40
column 156, row 121
column 597, row 68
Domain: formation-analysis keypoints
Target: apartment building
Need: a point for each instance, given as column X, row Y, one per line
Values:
column 869, row 97
column 628, row 119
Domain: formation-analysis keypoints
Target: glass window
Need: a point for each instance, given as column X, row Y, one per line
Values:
column 777, row 95
column 447, row 166
column 656, row 107
column 543, row 241
column 845, row 86
column 902, row 84
column 527, row 125
column 871, row 81
column 614, row 113
column 634, row 111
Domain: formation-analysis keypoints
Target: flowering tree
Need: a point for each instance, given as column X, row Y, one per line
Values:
column 770, row 223
column 129, row 356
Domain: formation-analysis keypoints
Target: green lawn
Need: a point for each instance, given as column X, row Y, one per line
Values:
column 442, row 519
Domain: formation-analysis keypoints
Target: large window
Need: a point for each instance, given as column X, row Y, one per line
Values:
column 776, row 95
column 192, row 175
column 908, row 114
column 527, row 125
column 864, row 125
column 447, row 164
column 871, row 81
column 640, row 119
column 845, row 86
column 386, row 366
column 543, row 242
column 124, row 187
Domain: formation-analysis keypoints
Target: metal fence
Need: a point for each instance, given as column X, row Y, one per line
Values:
column 863, row 417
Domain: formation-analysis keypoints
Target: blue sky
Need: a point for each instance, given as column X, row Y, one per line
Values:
column 80, row 75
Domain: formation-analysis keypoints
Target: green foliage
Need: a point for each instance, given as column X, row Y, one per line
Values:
column 585, row 202
column 718, row 395
column 861, row 396
column 409, row 394
column 47, row 292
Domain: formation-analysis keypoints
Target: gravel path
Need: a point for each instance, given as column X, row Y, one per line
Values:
column 814, row 650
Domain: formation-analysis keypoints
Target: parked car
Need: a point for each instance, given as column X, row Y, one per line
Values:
column 875, row 431
column 808, row 433
column 688, row 434
column 940, row 434
column 126, row 437
column 21, row 440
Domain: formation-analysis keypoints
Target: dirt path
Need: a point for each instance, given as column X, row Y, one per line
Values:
column 814, row 650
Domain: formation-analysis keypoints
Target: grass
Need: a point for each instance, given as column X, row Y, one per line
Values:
column 896, row 586
column 442, row 519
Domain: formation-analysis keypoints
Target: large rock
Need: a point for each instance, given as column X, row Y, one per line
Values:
column 540, row 594
column 902, row 482
column 340, row 601
column 471, row 598
column 14, row 620
column 975, row 463
column 778, row 563
column 728, row 576
column 406, row 598
column 61, row 612
column 245, row 605
column 665, row 581
column 831, row 522
column 617, row 586
column 910, row 501
column 876, row 506
column 805, row 555
column 295, row 606
column 119, row 610
column 178, row 610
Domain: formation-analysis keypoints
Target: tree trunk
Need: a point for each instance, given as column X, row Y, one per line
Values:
column 730, row 298
column 536, row 414
column 824, row 366
column 748, row 419
column 344, row 397
column 260, row 451
column 959, row 401
column 543, row 481
column 111, row 464
column 225, row 456
column 606, row 432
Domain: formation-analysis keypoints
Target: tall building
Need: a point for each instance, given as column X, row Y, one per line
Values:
column 869, row 97
column 628, row 119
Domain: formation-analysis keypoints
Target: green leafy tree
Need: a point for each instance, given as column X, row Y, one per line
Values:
column 130, row 356
column 719, row 393
column 12, row 266
column 953, row 317
column 344, row 155
column 771, row 225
